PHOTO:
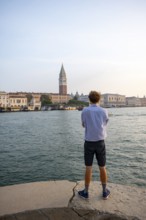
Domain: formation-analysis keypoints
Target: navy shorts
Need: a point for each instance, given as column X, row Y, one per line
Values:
column 95, row 148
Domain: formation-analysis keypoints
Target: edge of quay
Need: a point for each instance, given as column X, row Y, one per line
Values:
column 61, row 198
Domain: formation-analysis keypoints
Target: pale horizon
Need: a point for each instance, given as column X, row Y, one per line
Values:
column 100, row 43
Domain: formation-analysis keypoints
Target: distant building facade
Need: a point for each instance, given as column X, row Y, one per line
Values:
column 83, row 98
column 133, row 101
column 17, row 101
column 57, row 98
column 4, row 100
column 35, row 102
column 143, row 101
column 114, row 100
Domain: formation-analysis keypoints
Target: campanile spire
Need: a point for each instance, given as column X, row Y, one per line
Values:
column 62, row 82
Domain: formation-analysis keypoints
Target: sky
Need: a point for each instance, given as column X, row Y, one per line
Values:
column 101, row 43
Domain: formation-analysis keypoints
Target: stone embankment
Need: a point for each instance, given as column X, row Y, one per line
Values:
column 54, row 200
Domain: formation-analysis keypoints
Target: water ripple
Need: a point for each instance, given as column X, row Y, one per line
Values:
column 38, row 146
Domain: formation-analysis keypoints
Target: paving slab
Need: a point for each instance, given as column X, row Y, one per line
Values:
column 37, row 195
column 124, row 200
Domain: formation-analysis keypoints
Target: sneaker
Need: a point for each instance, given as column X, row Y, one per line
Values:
column 83, row 194
column 106, row 194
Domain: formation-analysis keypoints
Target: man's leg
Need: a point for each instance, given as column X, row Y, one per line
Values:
column 103, row 177
column 88, row 157
column 88, row 176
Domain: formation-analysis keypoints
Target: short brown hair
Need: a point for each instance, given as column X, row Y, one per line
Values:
column 94, row 96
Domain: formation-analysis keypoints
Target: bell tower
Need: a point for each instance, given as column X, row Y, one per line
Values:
column 62, row 82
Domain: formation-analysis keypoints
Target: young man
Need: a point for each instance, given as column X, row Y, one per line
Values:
column 94, row 120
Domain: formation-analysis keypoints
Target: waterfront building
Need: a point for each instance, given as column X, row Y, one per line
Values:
column 20, row 101
column 113, row 100
column 83, row 98
column 57, row 98
column 4, row 100
column 133, row 101
column 143, row 101
column 35, row 102
column 17, row 101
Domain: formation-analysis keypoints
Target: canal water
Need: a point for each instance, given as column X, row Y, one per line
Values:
column 48, row 145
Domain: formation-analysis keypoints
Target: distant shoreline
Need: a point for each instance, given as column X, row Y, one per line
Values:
column 1, row 111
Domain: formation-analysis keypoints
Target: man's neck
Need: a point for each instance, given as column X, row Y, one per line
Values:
column 91, row 103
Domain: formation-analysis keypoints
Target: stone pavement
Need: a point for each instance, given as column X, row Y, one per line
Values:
column 59, row 200
column 65, row 214
column 37, row 195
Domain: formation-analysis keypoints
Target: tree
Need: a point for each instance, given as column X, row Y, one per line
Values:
column 45, row 100
column 77, row 103
column 29, row 97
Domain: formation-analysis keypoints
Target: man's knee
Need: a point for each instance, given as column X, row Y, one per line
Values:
column 102, row 168
column 88, row 168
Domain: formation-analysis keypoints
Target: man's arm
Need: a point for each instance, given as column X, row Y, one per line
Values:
column 106, row 116
column 82, row 119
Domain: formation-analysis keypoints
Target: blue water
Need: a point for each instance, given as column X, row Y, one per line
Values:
column 39, row 146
